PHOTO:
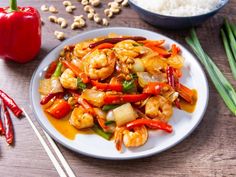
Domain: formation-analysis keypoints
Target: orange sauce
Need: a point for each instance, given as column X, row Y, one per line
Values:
column 189, row 107
column 65, row 128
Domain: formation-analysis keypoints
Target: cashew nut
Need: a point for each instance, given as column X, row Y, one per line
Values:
column 52, row 19
column 115, row 10
column 52, row 9
column 89, row 9
column 125, row 3
column 105, row 22
column 96, row 18
column 84, row 2
column 67, row 3
column 90, row 15
column 108, row 13
column 95, row 3
column 59, row 35
column 44, row 8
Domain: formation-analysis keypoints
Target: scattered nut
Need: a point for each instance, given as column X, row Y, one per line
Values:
column 105, row 22
column 89, row 9
column 95, row 3
column 73, row 7
column 84, row 2
column 64, row 24
column 59, row 35
column 113, row 4
column 108, row 13
column 78, row 18
column 69, row 9
column 90, row 16
column 42, row 22
column 52, row 19
column 115, row 10
column 67, row 3
column 77, row 25
column 44, row 8
column 96, row 18
column 125, row 3
column 52, row 9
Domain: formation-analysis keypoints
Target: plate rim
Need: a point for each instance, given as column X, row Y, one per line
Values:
column 106, row 157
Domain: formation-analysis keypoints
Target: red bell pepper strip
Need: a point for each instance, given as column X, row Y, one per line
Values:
column 88, row 108
column 9, row 133
column 154, row 43
column 77, row 71
column 116, row 40
column 174, row 50
column 116, row 99
column 20, row 33
column 153, row 124
column 51, row 69
column 10, row 103
column 59, row 109
column 153, row 88
column 158, row 49
column 170, row 76
column 106, row 86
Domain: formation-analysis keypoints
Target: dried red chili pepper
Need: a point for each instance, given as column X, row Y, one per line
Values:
column 10, row 103
column 2, row 130
column 9, row 134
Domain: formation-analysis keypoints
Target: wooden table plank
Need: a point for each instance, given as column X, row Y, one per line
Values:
column 208, row 151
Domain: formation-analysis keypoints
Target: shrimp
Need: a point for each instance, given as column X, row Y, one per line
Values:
column 99, row 64
column 128, row 49
column 134, row 138
column 81, row 49
column 155, row 65
column 159, row 107
column 80, row 119
column 68, row 79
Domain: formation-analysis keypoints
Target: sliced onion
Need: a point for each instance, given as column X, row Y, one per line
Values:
column 110, row 116
column 51, row 85
column 138, row 66
column 144, row 78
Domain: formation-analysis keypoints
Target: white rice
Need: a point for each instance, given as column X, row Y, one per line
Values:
column 178, row 7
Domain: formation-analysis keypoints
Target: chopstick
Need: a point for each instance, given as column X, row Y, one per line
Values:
column 60, row 156
column 49, row 152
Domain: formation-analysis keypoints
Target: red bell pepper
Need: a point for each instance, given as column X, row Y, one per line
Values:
column 106, row 86
column 153, row 124
column 116, row 99
column 153, row 88
column 186, row 93
column 59, row 109
column 51, row 69
column 20, row 32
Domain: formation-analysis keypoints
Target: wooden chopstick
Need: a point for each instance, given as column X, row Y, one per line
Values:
column 49, row 152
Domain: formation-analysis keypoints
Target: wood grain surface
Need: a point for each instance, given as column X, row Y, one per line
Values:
column 209, row 151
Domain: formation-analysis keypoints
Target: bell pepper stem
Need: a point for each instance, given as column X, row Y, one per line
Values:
column 13, row 5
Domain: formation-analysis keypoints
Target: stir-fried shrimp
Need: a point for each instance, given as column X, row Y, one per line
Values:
column 68, row 79
column 155, row 65
column 159, row 107
column 135, row 138
column 128, row 49
column 99, row 64
column 80, row 119
column 118, row 87
column 81, row 49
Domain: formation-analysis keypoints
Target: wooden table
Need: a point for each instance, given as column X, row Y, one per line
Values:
column 209, row 151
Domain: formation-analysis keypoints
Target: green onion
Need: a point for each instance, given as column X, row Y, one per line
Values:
column 232, row 41
column 101, row 133
column 229, row 53
column 223, row 86
column 128, row 86
column 233, row 28
column 109, row 122
column 80, row 84
column 57, row 72
column 110, row 107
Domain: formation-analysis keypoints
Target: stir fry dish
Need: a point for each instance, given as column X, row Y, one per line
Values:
column 120, row 87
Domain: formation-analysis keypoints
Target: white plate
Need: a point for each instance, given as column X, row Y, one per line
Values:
column 158, row 141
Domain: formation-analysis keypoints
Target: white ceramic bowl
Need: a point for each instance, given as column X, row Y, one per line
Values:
column 92, row 145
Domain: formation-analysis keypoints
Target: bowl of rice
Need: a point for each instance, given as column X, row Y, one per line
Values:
column 176, row 14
